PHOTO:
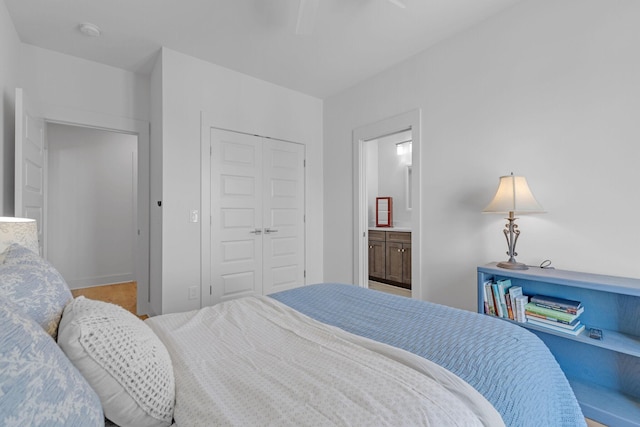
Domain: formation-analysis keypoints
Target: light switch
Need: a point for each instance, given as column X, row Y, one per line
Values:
column 193, row 215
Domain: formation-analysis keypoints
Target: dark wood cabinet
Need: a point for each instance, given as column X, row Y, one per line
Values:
column 390, row 257
column 398, row 263
column 377, row 255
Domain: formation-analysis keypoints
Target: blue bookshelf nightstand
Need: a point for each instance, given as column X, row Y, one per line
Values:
column 604, row 374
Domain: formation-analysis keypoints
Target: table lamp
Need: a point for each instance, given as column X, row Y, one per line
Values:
column 513, row 197
column 19, row 230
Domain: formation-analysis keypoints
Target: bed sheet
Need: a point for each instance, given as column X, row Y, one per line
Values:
column 256, row 361
column 509, row 365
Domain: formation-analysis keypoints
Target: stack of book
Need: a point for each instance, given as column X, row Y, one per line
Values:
column 558, row 314
column 501, row 299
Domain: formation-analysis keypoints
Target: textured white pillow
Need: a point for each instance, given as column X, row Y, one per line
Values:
column 122, row 359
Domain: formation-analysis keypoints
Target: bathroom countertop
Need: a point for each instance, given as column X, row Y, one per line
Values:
column 405, row 229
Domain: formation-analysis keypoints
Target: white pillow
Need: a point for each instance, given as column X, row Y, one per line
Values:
column 122, row 359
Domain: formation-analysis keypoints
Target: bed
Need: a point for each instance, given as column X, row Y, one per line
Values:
column 325, row 354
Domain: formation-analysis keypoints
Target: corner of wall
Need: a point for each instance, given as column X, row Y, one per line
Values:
column 155, row 152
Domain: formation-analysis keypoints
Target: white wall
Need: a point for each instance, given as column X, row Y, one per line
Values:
column 63, row 84
column 91, row 190
column 9, row 58
column 236, row 102
column 547, row 89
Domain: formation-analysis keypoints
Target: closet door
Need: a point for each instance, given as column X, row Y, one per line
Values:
column 283, row 215
column 257, row 215
column 236, row 215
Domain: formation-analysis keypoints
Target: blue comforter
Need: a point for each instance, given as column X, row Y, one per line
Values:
column 509, row 365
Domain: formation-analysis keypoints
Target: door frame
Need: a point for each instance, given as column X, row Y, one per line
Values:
column 410, row 120
column 140, row 128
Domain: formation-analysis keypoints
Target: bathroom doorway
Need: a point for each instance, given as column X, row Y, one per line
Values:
column 370, row 179
column 389, row 181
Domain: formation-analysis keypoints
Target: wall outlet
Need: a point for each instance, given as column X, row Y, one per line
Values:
column 193, row 292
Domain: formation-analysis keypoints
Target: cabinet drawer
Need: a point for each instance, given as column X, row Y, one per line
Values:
column 377, row 235
column 399, row 236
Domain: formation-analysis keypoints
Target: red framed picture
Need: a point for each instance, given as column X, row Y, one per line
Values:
column 384, row 212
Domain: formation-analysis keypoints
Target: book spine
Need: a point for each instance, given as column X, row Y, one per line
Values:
column 510, row 310
column 521, row 302
column 503, row 286
column 496, row 299
column 533, row 308
column 568, row 310
column 556, row 324
column 489, row 298
column 556, row 303
column 486, row 301
column 549, row 318
column 514, row 292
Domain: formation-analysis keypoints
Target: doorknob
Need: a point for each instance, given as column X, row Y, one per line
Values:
column 256, row 231
column 269, row 230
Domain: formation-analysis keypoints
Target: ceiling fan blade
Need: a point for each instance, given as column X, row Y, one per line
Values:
column 306, row 16
column 398, row 3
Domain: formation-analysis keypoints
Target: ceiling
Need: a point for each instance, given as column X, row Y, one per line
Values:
column 347, row 41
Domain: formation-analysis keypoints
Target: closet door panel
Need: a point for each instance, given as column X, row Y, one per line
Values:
column 283, row 213
column 236, row 215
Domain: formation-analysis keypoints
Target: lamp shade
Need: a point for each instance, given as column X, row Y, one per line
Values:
column 513, row 195
column 19, row 230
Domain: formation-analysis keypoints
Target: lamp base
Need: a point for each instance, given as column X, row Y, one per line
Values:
column 512, row 265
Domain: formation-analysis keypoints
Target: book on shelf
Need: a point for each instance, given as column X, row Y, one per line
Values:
column 496, row 300
column 484, row 298
column 576, row 331
column 514, row 292
column 503, row 288
column 521, row 302
column 553, row 322
column 559, row 304
column 560, row 316
column 489, row 306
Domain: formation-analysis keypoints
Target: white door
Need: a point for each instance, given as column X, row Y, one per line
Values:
column 257, row 215
column 283, row 207
column 236, row 215
column 29, row 165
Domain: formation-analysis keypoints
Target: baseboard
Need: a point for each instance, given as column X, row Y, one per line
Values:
column 92, row 282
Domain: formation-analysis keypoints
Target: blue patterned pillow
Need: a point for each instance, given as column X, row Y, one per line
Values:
column 35, row 286
column 38, row 384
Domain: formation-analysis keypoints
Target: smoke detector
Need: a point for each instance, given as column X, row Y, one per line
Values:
column 90, row 30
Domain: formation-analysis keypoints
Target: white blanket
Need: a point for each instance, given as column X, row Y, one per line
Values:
column 255, row 361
